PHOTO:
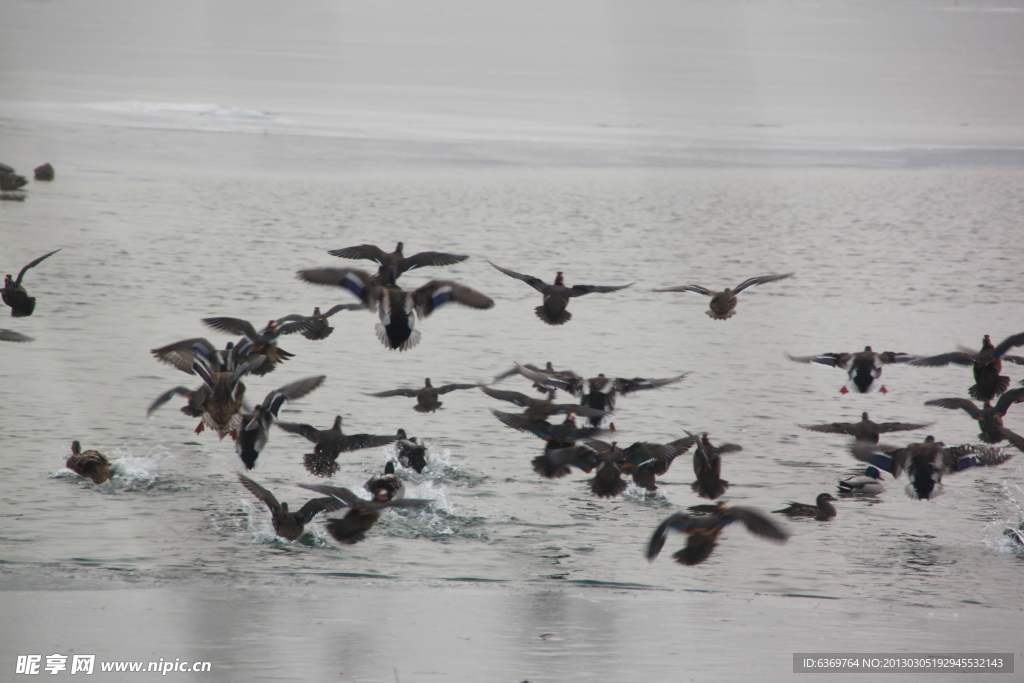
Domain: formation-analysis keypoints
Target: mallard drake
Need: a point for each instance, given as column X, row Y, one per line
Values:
column 868, row 483
column 864, row 367
column 394, row 264
column 14, row 295
column 541, row 409
column 330, row 443
column 426, row 396
column 290, row 525
column 260, row 345
column 386, row 486
column 397, row 308
column 320, row 328
column 989, row 417
column 723, row 304
column 707, row 465
column 412, row 453
column 703, row 531
column 255, row 426
column 987, row 364
column 926, row 462
column 221, row 396
column 865, row 431
column 822, row 510
column 91, row 464
column 12, row 336
column 362, row 515
column 556, row 295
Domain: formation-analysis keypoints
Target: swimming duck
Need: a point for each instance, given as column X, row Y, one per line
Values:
column 703, row 531
column 290, row 525
column 12, row 336
column 864, row 367
column 320, row 328
column 822, row 509
column 426, row 396
column 43, row 172
column 12, row 181
column 723, row 304
column 394, row 264
column 386, row 486
column 707, row 465
column 91, row 464
column 397, row 308
column 15, row 296
column 330, row 443
column 412, row 453
column 255, row 426
column 260, row 345
column 540, row 409
column 987, row 364
column 556, row 295
column 990, row 418
column 926, row 462
column 220, row 398
column 362, row 514
column 865, row 431
column 868, row 483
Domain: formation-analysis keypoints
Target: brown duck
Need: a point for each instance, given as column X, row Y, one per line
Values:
column 426, row 396
column 989, row 417
column 556, row 295
column 91, row 464
column 987, row 364
column 330, row 443
column 14, row 294
column 394, row 264
column 821, row 510
column 362, row 514
column 290, row 525
column 723, row 304
column 703, row 531
column 865, row 431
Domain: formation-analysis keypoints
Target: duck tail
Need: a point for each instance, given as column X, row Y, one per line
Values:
column 559, row 318
column 319, row 465
column 978, row 393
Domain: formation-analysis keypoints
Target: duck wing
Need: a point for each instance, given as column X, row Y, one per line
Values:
column 264, row 495
column 409, row 393
column 437, row 293
column 680, row 521
column 851, row 428
column 339, row 493
column 889, row 458
column 233, row 326
column 957, row 357
column 960, row 458
column 167, row 396
column 957, row 404
column 687, row 288
column 1007, row 344
column 358, row 283
column 888, row 357
column 534, row 282
column 21, row 273
column 514, row 397
column 290, row 392
column 455, row 387
column 539, row 428
column 758, row 280
column 1008, row 399
column 314, row 507
column 184, row 354
column 370, row 252
column 12, row 336
column 580, row 290
column 756, row 522
column 429, row 258
column 628, row 386
column 308, row 431
column 833, row 360
column 901, row 426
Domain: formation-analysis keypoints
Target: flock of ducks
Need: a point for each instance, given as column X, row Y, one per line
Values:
column 219, row 404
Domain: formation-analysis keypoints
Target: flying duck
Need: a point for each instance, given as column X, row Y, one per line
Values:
column 723, row 304
column 989, row 417
column 14, row 294
column 864, row 367
column 865, row 431
column 362, row 514
column 987, row 364
column 412, row 453
column 320, row 329
column 426, row 396
column 394, row 264
column 396, row 307
column 255, row 426
column 703, row 531
column 290, row 525
column 556, row 295
column 707, row 465
column 262, row 344
column 541, row 409
column 330, row 443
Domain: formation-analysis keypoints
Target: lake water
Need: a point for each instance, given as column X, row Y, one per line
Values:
column 205, row 152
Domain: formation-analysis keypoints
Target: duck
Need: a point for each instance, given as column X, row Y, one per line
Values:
column 572, row 382
column 989, row 417
column 607, row 461
column 412, row 453
column 330, row 443
column 255, row 426
column 1015, row 534
column 541, row 409
column 387, row 486
column 14, row 294
column 320, row 329
column 556, row 295
column 703, row 531
column 723, row 304
column 91, row 464
column 926, row 462
column 260, row 345
column 426, row 396
column 44, row 172
column 645, row 474
column 864, row 367
column 362, row 514
column 219, row 400
column 869, row 483
column 289, row 525
column 865, row 431
column 986, row 363
column 555, row 436
column 12, row 336
column 821, row 510
column 397, row 308
column 394, row 264
column 707, row 465
column 12, row 181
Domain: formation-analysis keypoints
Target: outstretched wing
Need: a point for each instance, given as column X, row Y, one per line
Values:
column 343, row 495
column 233, row 326
column 264, row 495
column 957, row 404
column 356, row 282
column 758, row 280
column 167, row 396
column 687, row 288
column 308, row 431
column 888, row 357
column 627, row 386
column 833, row 428
column 437, row 293
column 185, row 353
column 369, row 252
column 410, row 393
column 678, row 522
column 534, row 282
column 580, row 290
column 833, row 360
column 514, row 397
column 429, row 258
column 757, row 523
column 21, row 273
column 957, row 357
column 12, row 336
column 290, row 392
column 1006, row 344
column 315, row 506
column 455, row 387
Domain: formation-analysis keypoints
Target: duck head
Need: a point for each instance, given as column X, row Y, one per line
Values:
column 559, row 278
